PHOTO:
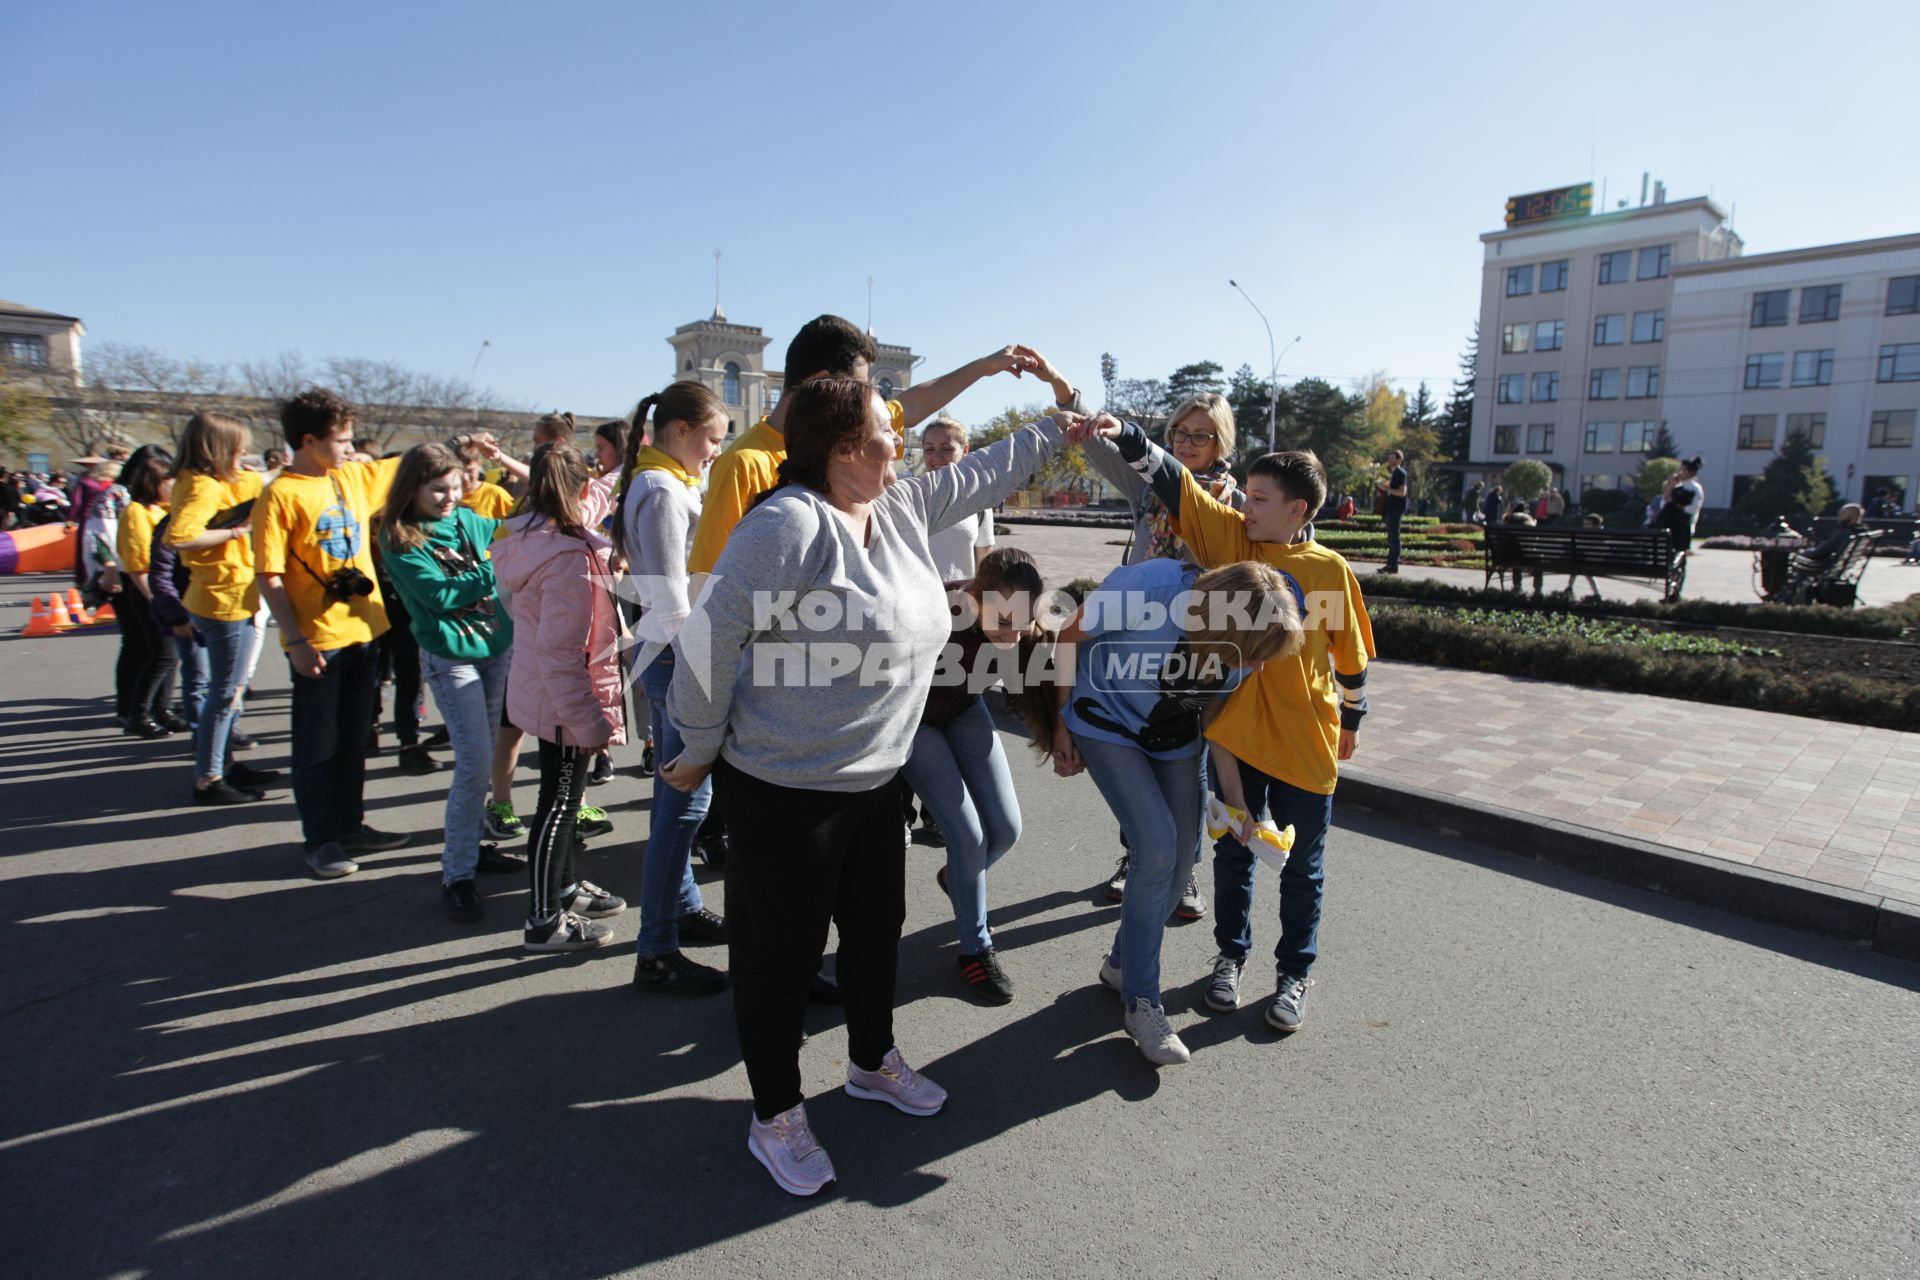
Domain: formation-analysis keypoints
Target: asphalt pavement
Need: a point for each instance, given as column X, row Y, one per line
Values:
column 215, row 1066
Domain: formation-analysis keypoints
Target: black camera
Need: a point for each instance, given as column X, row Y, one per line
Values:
column 346, row 584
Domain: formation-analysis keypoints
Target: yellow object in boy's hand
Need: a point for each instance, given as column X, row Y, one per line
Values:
column 1273, row 843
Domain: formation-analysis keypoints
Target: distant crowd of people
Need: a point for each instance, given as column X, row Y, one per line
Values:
column 650, row 582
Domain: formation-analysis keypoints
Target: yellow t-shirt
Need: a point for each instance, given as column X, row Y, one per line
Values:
column 749, row 467
column 1285, row 720
column 222, row 585
column 135, row 539
column 489, row 500
column 311, row 526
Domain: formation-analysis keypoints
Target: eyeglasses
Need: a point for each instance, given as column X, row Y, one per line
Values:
column 1178, row 436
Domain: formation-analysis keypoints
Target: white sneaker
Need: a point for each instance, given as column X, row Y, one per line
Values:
column 786, row 1146
column 898, row 1085
column 1147, row 1023
column 1109, row 973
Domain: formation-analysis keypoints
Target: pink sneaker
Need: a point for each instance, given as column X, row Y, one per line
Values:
column 786, row 1146
column 898, row 1085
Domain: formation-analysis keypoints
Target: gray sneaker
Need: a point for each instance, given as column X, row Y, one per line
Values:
column 1223, row 988
column 1147, row 1023
column 330, row 862
column 1289, row 1003
column 1193, row 903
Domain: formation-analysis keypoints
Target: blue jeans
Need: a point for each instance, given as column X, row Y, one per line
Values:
column 1158, row 803
column 962, row 778
column 667, row 887
column 469, row 694
column 1302, row 884
column 193, row 677
column 230, row 646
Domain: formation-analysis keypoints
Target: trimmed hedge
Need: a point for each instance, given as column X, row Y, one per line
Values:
column 1870, row 624
column 1418, row 635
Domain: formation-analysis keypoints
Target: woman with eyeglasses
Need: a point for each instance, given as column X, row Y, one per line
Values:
column 799, row 686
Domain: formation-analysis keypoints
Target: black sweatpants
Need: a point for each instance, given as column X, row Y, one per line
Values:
column 799, row 860
column 550, row 841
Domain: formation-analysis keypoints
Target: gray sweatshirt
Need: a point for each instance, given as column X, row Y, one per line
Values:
column 660, row 514
column 807, row 659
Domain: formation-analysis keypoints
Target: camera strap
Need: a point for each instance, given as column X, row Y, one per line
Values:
column 340, row 500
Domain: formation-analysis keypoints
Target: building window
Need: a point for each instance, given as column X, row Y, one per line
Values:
column 772, row 394
column 1765, row 371
column 1506, row 439
column 1655, row 260
column 1603, row 384
column 1896, row 487
column 1813, row 426
column 1820, row 303
column 1600, row 436
column 24, row 348
column 1514, row 338
column 1609, row 331
column 1513, row 388
column 1903, row 295
column 1519, row 281
column 1553, row 275
column 1756, row 430
column 689, row 368
column 1549, row 335
column 1546, row 386
column 1742, row 486
column 1770, row 308
column 730, row 384
column 1540, row 437
column 1637, row 437
column 1813, row 368
column 1890, row 429
column 1643, row 382
column 1601, row 481
column 1649, row 326
column 1900, row 363
column 1616, row 268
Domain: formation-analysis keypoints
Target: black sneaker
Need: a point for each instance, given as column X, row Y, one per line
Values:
column 495, row 863
column 702, row 928
column 462, row 902
column 416, row 761
column 675, row 975
column 238, row 741
column 984, row 974
column 220, row 791
column 931, row 833
column 1117, row 885
column 602, row 771
column 141, row 727
column 585, row 898
column 1289, row 1007
column 247, row 777
column 713, row 848
column 367, row 840
column 172, row 723
column 438, row 738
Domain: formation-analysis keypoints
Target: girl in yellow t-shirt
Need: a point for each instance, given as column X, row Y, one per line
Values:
column 143, row 677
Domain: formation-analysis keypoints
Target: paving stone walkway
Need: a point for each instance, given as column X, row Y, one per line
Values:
column 1834, row 803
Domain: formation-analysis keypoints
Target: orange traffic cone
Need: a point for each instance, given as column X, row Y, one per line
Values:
column 103, row 614
column 73, row 601
column 41, row 623
column 62, row 620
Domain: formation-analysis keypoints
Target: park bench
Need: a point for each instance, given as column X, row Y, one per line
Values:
column 1643, row 555
column 1833, row 579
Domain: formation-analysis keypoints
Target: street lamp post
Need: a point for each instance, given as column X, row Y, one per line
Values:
column 474, row 373
column 1273, row 373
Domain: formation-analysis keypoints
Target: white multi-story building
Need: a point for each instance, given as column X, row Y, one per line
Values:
column 731, row 358
column 1823, row 342
column 1573, row 335
column 1598, row 329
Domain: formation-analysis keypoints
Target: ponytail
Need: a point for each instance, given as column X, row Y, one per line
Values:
column 691, row 403
column 630, row 456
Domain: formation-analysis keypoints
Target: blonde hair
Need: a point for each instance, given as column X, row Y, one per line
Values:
column 951, row 425
column 1250, row 614
column 1218, row 412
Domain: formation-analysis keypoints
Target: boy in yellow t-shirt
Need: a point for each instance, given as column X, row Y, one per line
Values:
column 1288, row 727
column 315, row 562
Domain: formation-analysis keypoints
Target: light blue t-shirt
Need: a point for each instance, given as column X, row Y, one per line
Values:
column 1132, row 685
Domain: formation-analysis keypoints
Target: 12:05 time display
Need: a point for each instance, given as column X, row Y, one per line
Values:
column 1545, row 206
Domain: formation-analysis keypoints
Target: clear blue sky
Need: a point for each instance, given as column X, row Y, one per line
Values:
column 401, row 181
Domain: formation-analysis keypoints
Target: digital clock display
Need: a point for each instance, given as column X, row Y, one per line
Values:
column 1545, row 206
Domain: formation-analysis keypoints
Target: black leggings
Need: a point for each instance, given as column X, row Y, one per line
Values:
column 563, row 779
column 143, row 676
column 797, row 861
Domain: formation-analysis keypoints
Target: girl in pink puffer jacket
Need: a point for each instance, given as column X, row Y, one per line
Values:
column 563, row 684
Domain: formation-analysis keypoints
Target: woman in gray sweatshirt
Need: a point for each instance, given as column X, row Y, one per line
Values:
column 801, row 676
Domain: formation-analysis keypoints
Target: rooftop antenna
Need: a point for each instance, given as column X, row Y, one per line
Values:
column 718, row 314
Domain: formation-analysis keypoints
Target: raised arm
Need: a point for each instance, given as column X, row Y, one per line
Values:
column 918, row 403
column 981, row 479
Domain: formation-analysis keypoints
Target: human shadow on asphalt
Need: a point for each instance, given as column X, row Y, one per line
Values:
column 1788, row 942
